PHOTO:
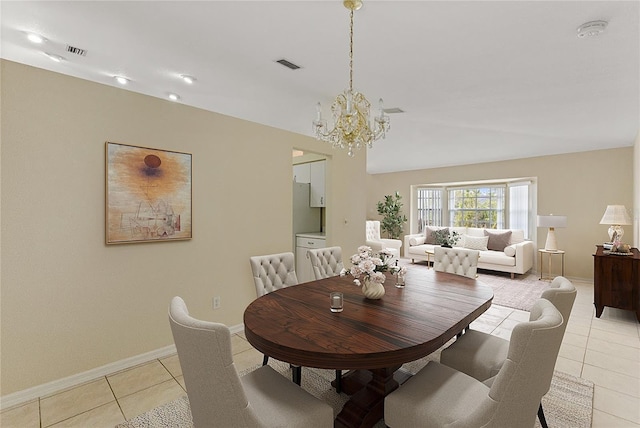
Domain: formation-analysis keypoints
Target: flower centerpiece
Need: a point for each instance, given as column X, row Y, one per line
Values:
column 371, row 268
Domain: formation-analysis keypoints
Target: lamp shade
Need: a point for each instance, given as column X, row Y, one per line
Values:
column 615, row 215
column 552, row 220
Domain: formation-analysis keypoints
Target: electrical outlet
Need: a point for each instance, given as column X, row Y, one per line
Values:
column 216, row 302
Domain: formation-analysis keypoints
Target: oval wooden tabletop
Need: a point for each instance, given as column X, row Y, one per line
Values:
column 295, row 325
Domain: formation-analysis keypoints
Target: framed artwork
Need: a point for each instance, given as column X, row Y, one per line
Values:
column 148, row 194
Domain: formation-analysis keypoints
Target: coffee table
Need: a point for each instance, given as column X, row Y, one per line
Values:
column 373, row 338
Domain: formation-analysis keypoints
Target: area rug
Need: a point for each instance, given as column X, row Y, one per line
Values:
column 521, row 292
column 568, row 403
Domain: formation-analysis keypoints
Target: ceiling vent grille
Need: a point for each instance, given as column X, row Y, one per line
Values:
column 288, row 64
column 393, row 110
column 76, row 51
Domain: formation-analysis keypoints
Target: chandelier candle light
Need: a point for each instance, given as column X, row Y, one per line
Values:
column 351, row 110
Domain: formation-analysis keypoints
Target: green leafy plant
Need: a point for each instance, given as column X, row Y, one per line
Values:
column 392, row 219
column 442, row 237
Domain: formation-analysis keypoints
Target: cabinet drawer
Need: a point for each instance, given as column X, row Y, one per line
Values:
column 310, row 242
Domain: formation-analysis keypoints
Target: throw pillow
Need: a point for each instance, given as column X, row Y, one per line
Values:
column 510, row 251
column 430, row 238
column 476, row 242
column 498, row 240
column 416, row 241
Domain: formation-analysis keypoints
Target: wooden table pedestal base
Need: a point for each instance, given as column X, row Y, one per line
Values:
column 367, row 389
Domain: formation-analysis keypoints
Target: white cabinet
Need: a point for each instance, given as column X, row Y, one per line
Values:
column 304, row 272
column 317, row 175
column 302, row 173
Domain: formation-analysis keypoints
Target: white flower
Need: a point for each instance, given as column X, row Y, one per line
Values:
column 370, row 268
column 378, row 277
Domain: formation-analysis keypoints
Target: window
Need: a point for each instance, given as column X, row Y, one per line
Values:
column 429, row 208
column 477, row 207
column 519, row 206
column 494, row 205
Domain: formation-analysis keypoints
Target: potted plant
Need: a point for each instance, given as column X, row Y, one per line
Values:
column 443, row 238
column 392, row 219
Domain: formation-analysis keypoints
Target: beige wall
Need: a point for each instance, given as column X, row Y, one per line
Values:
column 578, row 185
column 70, row 303
column 636, row 192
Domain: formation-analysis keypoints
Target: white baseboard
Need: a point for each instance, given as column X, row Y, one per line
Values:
column 55, row 386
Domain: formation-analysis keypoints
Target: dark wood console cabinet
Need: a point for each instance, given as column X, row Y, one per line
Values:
column 616, row 281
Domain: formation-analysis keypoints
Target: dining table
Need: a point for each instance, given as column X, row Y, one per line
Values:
column 370, row 339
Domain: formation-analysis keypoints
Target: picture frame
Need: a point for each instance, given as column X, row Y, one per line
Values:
column 148, row 194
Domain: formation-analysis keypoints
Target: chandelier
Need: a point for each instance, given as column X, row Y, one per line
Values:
column 350, row 110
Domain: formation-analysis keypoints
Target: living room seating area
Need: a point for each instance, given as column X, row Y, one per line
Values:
column 502, row 250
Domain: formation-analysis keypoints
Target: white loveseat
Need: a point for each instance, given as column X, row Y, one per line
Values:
column 516, row 257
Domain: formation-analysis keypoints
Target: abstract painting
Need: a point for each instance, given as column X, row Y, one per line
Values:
column 148, row 194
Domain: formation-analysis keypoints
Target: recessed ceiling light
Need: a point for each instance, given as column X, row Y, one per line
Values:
column 592, row 28
column 174, row 97
column 187, row 79
column 54, row 57
column 36, row 38
column 121, row 80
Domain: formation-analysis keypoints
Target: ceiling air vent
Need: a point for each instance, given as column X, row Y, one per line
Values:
column 77, row 51
column 288, row 64
column 393, row 110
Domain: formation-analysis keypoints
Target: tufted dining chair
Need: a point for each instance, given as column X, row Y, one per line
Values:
column 373, row 239
column 326, row 262
column 440, row 396
column 272, row 272
column 460, row 261
column 481, row 355
column 219, row 397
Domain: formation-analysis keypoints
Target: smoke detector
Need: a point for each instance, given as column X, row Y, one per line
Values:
column 592, row 29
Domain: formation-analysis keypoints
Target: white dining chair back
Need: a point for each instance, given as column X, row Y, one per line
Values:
column 326, row 262
column 459, row 261
column 272, row 272
column 481, row 355
column 439, row 396
column 219, row 397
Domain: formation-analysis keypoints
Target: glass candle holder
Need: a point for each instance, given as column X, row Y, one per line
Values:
column 336, row 301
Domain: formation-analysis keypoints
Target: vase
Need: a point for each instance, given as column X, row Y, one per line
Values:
column 372, row 290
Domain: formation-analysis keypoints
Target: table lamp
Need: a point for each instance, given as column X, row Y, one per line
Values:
column 616, row 216
column 551, row 221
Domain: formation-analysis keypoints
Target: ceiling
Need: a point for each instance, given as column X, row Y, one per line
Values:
column 478, row 81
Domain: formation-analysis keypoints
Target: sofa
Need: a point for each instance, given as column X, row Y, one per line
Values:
column 503, row 250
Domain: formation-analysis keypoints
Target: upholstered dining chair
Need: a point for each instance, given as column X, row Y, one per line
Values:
column 460, row 261
column 373, row 239
column 326, row 262
column 272, row 272
column 481, row 355
column 439, row 396
column 219, row 397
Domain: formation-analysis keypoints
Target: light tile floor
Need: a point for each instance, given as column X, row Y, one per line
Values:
column 605, row 351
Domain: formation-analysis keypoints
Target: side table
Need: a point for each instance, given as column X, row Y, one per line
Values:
column 430, row 254
column 549, row 254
